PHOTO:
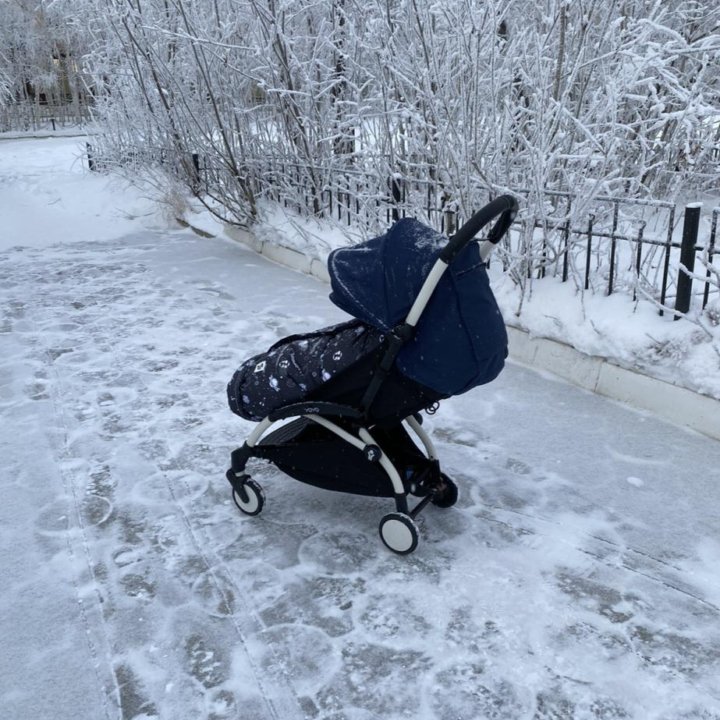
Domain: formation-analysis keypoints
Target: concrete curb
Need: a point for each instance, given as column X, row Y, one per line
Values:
column 598, row 375
column 289, row 257
column 671, row 402
column 44, row 136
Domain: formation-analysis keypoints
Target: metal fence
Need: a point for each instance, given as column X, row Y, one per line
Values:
column 631, row 245
column 33, row 116
column 627, row 245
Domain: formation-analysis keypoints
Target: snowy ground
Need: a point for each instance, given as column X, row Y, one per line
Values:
column 576, row 578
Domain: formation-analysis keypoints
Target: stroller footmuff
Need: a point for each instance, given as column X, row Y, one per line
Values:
column 426, row 326
column 297, row 366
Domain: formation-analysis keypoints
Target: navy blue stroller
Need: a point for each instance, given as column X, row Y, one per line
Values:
column 426, row 327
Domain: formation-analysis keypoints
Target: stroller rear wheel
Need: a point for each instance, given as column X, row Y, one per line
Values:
column 252, row 503
column 447, row 493
column 399, row 533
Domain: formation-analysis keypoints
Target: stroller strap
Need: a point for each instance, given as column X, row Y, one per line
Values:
column 396, row 338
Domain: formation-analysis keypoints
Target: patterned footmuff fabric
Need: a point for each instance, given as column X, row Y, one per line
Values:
column 296, row 366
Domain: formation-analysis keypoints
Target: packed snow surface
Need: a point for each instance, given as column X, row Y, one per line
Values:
column 577, row 577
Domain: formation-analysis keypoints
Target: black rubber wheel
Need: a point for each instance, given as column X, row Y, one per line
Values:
column 399, row 533
column 447, row 495
column 253, row 505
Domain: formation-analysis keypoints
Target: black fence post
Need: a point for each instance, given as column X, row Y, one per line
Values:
column 638, row 258
column 613, row 248
column 588, row 255
column 91, row 158
column 691, row 225
column 448, row 219
column 666, row 263
column 196, row 172
column 566, row 252
column 396, row 194
column 710, row 252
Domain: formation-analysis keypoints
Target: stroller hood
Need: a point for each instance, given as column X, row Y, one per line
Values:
column 460, row 339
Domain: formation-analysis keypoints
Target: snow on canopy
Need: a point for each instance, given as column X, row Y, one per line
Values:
column 460, row 340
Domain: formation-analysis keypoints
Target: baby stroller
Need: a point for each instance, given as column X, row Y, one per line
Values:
column 426, row 326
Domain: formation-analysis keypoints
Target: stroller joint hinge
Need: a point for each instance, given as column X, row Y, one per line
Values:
column 239, row 458
column 237, row 480
column 403, row 332
column 372, row 453
column 397, row 337
column 401, row 504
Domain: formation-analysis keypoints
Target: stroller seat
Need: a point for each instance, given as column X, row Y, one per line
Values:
column 425, row 327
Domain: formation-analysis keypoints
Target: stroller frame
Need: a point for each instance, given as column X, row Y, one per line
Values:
column 396, row 465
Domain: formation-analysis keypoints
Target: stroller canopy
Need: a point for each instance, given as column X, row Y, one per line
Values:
column 460, row 339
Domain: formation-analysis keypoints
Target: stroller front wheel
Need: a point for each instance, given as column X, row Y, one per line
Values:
column 252, row 503
column 399, row 533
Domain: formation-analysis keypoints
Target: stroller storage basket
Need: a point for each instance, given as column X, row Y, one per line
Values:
column 312, row 454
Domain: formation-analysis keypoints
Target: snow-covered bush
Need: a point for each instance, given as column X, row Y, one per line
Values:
column 41, row 48
column 346, row 109
column 591, row 97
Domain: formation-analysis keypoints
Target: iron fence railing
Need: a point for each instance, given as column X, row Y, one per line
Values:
column 27, row 116
column 611, row 244
column 622, row 244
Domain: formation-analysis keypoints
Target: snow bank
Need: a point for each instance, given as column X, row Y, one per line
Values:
column 47, row 195
column 630, row 334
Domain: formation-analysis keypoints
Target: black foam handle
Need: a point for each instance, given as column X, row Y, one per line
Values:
column 506, row 206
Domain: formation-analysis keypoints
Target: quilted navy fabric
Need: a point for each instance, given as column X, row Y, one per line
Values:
column 460, row 340
column 294, row 367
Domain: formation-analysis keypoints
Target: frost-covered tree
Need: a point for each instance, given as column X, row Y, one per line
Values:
column 292, row 96
column 41, row 49
column 42, row 45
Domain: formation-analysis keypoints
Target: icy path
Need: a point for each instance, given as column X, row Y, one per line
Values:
column 578, row 576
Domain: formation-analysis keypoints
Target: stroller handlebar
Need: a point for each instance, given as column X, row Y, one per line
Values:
column 505, row 206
